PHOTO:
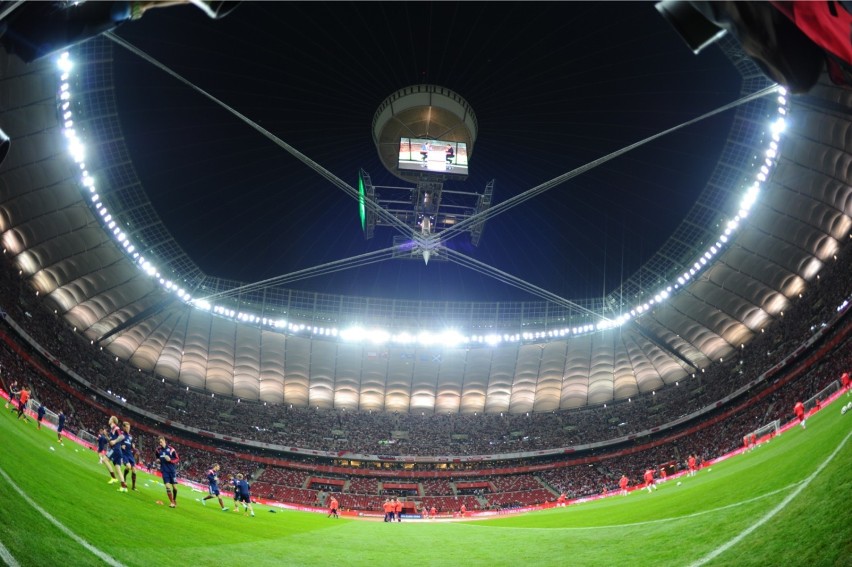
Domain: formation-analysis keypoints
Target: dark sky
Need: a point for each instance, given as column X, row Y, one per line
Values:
column 554, row 85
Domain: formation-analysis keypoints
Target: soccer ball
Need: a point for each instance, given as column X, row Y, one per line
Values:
column 679, row 483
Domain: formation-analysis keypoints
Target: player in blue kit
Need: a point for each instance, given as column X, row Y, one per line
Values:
column 243, row 494
column 234, row 482
column 60, row 426
column 128, row 455
column 103, row 444
column 168, row 458
column 213, row 487
column 40, row 414
column 13, row 391
column 114, row 453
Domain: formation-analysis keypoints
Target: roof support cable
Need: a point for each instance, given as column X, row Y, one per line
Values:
column 386, row 216
column 504, row 206
column 322, row 269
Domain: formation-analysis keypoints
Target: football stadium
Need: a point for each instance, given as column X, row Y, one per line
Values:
column 530, row 282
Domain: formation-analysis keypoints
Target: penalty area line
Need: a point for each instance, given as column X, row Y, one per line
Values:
column 109, row 560
column 769, row 515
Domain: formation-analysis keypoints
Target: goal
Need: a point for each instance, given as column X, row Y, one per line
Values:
column 822, row 396
column 762, row 433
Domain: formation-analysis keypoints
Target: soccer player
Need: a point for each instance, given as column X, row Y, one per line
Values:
column 649, row 480
column 128, row 455
column 168, row 458
column 844, row 382
column 333, row 506
column 235, row 487
column 213, row 487
column 622, row 484
column 463, row 510
column 692, row 464
column 103, row 443
column 799, row 410
column 114, row 453
column 13, row 392
column 560, row 501
column 23, row 396
column 60, row 425
column 433, row 513
column 244, row 494
column 40, row 414
column 397, row 509
column 663, row 474
column 388, row 509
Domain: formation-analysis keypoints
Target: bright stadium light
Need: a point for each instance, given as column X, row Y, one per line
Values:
column 352, row 334
column 778, row 126
column 64, row 62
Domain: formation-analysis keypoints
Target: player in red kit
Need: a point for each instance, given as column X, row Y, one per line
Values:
column 333, row 506
column 649, row 480
column 622, row 484
column 844, row 382
column 799, row 410
column 692, row 463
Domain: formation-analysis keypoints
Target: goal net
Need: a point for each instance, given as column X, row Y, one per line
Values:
column 763, row 433
column 49, row 416
column 822, row 396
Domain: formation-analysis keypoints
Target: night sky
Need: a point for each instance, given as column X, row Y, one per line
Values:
column 553, row 85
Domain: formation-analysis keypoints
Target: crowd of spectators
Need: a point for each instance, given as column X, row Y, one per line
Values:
column 454, row 434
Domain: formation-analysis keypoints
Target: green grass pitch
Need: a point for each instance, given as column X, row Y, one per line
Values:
column 786, row 503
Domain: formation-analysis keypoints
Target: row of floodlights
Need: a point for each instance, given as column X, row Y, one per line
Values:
column 77, row 150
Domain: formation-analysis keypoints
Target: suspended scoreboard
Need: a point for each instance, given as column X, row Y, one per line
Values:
column 425, row 135
column 425, row 131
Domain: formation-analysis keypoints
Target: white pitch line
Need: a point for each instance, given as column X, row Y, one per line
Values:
column 649, row 522
column 704, row 512
column 7, row 557
column 109, row 560
column 769, row 515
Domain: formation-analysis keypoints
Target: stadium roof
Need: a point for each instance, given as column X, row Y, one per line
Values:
column 97, row 238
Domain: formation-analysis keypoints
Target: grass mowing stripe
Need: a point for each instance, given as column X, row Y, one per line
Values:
column 769, row 515
column 661, row 520
column 7, row 557
column 701, row 513
column 62, row 527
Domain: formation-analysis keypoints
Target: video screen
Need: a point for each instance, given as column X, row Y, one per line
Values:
column 438, row 156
